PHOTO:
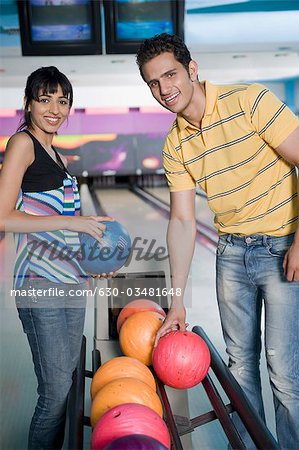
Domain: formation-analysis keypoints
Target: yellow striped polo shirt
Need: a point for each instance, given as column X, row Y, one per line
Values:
column 250, row 187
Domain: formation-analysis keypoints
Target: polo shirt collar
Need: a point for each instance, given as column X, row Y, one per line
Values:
column 211, row 93
column 211, row 97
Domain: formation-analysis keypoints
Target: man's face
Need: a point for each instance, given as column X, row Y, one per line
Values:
column 170, row 83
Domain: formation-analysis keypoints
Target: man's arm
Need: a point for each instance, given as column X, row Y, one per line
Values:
column 180, row 241
column 289, row 150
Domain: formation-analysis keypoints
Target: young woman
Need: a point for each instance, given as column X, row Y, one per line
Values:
column 40, row 202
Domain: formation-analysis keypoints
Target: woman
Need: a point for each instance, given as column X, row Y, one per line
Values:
column 40, row 202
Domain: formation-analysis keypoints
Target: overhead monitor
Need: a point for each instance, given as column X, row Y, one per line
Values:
column 60, row 27
column 129, row 22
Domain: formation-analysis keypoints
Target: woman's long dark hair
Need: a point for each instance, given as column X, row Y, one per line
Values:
column 47, row 80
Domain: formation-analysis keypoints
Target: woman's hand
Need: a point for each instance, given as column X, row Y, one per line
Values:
column 106, row 276
column 89, row 224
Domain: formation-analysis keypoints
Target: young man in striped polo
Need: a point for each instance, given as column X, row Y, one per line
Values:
column 240, row 144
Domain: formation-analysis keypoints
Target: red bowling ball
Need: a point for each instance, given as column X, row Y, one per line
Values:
column 128, row 419
column 136, row 442
column 181, row 359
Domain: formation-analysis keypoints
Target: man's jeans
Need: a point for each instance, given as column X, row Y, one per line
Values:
column 54, row 327
column 249, row 269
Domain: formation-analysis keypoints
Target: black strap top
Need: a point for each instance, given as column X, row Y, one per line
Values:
column 44, row 174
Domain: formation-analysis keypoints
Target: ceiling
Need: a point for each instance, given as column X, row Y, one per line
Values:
column 231, row 47
column 114, row 80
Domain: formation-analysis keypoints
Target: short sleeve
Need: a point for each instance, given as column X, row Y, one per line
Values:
column 271, row 118
column 178, row 178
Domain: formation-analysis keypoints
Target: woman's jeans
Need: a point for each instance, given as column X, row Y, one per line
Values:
column 53, row 322
column 249, row 270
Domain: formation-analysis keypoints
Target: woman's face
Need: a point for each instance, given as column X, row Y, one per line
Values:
column 50, row 111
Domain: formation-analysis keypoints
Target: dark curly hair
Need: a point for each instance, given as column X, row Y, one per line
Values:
column 46, row 79
column 162, row 43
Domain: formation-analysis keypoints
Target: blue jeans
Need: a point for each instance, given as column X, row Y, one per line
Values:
column 54, row 328
column 249, row 269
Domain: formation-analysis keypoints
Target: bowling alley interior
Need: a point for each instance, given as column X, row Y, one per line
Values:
column 113, row 141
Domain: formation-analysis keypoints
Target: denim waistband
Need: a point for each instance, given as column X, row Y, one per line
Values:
column 256, row 239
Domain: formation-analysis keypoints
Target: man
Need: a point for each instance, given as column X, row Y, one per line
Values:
column 241, row 145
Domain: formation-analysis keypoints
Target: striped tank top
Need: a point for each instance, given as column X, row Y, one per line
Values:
column 48, row 189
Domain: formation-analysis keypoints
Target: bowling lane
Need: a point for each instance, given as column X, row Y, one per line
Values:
column 203, row 212
column 17, row 380
column 140, row 219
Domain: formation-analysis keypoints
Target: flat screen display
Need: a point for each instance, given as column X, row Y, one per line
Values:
column 129, row 22
column 143, row 19
column 57, row 27
column 53, row 20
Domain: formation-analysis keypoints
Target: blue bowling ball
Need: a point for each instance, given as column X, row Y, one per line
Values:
column 135, row 442
column 110, row 254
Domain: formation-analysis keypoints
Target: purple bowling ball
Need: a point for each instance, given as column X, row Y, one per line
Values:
column 135, row 442
column 108, row 256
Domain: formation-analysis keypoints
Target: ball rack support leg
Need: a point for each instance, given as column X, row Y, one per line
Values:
column 222, row 414
column 257, row 429
column 178, row 426
column 75, row 408
column 175, row 438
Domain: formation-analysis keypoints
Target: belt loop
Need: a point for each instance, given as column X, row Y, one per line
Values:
column 229, row 238
column 266, row 240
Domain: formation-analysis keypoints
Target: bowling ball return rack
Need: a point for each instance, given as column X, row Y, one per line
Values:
column 177, row 419
column 179, row 425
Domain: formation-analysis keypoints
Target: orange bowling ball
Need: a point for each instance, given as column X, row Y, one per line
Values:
column 121, row 367
column 137, row 335
column 141, row 304
column 124, row 390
